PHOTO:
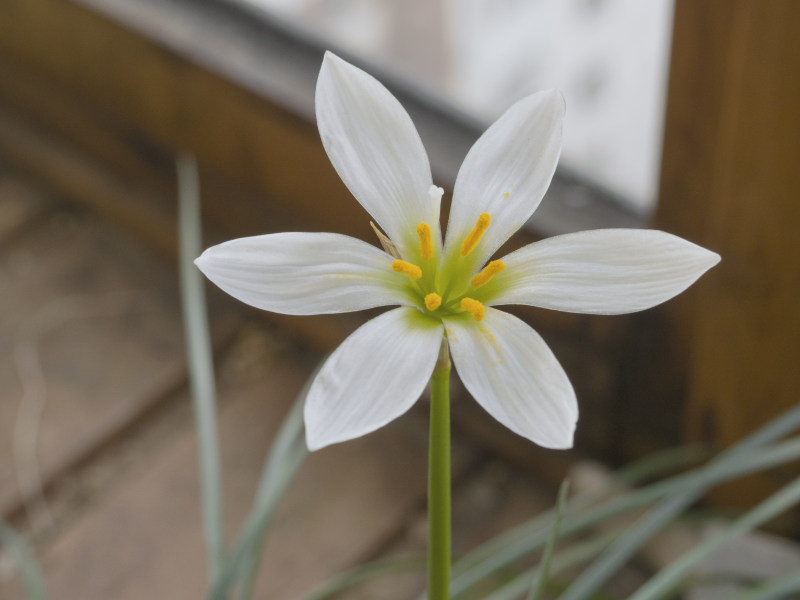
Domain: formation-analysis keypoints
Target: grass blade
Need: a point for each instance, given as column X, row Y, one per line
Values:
column 571, row 556
column 540, row 581
column 16, row 546
column 367, row 572
column 505, row 549
column 785, row 586
column 200, row 361
column 665, row 581
column 286, row 454
column 683, row 495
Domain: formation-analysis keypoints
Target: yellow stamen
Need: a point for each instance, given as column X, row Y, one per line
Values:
column 476, row 308
column 433, row 301
column 401, row 266
column 425, row 240
column 469, row 243
column 489, row 271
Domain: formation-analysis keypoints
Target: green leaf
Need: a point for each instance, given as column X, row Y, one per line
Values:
column 200, row 361
column 286, row 454
column 587, row 510
column 745, row 457
column 369, row 571
column 668, row 578
column 785, row 586
column 540, row 581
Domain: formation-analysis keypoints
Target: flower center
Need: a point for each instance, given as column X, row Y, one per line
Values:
column 427, row 280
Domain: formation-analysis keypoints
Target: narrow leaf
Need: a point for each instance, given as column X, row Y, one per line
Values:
column 200, row 361
column 367, row 572
column 665, row 581
column 785, row 586
column 286, row 454
column 540, row 582
column 15, row 545
column 737, row 460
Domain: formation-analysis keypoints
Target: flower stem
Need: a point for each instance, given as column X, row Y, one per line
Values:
column 439, row 481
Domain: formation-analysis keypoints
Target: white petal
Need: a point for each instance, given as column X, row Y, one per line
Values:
column 510, row 371
column 604, row 271
column 375, row 148
column 304, row 273
column 375, row 376
column 507, row 172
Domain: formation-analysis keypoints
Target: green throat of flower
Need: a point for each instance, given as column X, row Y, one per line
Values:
column 448, row 289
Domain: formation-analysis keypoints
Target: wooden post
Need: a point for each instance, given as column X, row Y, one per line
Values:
column 731, row 182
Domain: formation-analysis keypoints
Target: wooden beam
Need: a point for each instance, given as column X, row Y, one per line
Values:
column 730, row 181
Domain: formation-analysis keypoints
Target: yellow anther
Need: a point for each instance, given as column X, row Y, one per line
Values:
column 425, row 240
column 401, row 266
column 506, row 195
column 489, row 271
column 469, row 243
column 433, row 301
column 476, row 308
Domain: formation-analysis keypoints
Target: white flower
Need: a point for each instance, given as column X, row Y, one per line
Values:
column 447, row 289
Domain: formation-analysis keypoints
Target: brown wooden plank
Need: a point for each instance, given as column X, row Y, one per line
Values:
column 730, row 182
column 31, row 98
column 59, row 168
column 90, row 340
column 143, row 538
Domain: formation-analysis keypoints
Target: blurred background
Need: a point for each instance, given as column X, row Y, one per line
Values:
column 681, row 115
column 609, row 57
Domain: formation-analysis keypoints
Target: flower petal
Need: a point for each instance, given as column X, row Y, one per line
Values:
column 375, row 376
column 507, row 172
column 604, row 271
column 375, row 149
column 304, row 273
column 510, row 371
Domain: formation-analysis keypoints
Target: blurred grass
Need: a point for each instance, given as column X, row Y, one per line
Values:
column 666, row 498
column 200, row 361
column 17, row 547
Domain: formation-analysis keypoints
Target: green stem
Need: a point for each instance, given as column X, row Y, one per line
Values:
column 439, row 481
